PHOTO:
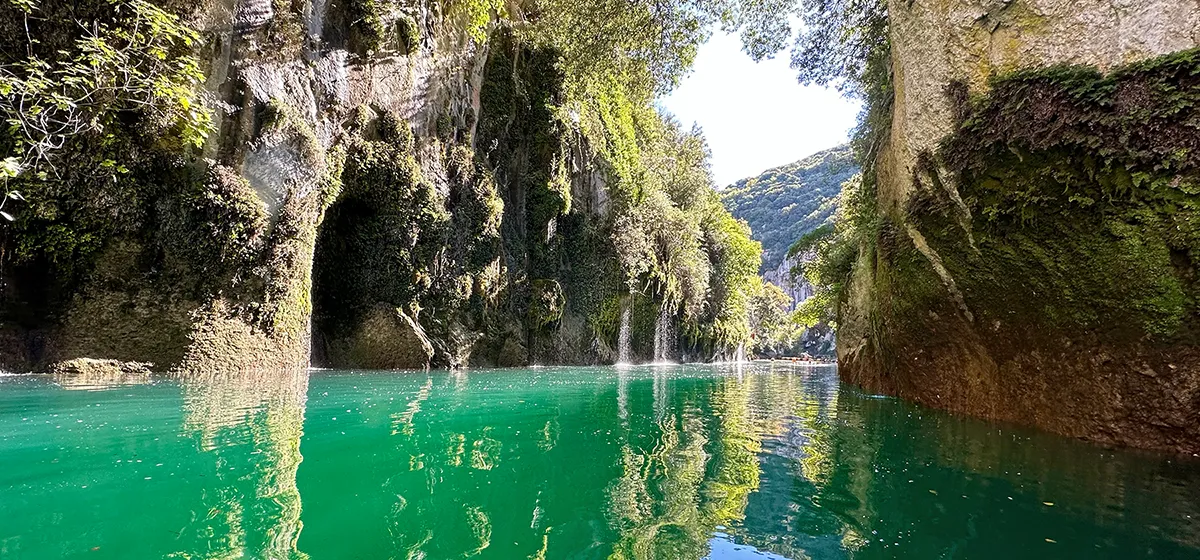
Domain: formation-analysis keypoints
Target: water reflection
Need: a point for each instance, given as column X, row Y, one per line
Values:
column 671, row 462
column 252, row 424
column 897, row 480
column 663, row 462
column 96, row 380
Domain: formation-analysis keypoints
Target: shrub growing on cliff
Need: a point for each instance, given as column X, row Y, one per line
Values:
column 138, row 60
column 100, row 101
column 832, row 251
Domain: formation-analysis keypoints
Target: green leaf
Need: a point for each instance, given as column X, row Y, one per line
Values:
column 10, row 167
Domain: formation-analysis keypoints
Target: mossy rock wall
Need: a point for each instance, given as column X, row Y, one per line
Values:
column 143, row 249
column 419, row 236
column 366, row 155
column 1043, row 269
column 547, row 240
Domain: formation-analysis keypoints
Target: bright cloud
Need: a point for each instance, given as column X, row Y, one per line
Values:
column 756, row 116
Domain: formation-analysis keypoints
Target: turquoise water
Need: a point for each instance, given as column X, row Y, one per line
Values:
column 719, row 462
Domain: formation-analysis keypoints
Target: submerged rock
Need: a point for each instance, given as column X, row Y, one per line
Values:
column 83, row 373
column 92, row 367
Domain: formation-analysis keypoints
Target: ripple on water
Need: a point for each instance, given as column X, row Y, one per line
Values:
column 728, row 461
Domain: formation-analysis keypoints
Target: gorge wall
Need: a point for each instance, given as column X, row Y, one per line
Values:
column 1032, row 255
column 387, row 184
column 204, row 261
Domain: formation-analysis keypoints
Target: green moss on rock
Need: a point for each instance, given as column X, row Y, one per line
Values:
column 546, row 302
column 367, row 28
column 381, row 26
column 426, row 243
column 1081, row 197
column 521, row 87
column 409, row 33
column 386, row 338
column 215, row 223
column 369, row 247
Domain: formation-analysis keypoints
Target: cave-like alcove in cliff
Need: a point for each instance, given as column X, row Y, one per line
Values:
column 362, row 276
column 333, row 301
column 365, row 277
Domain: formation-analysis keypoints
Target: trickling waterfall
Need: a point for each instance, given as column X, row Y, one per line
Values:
column 316, row 19
column 740, row 355
column 664, row 336
column 623, row 336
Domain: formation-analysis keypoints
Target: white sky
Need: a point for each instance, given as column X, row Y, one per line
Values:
column 756, row 116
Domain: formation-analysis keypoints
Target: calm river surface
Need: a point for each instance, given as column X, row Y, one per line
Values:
column 667, row 462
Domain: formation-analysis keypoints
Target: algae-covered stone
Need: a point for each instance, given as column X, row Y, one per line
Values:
column 387, row 339
column 546, row 302
column 92, row 366
column 90, row 373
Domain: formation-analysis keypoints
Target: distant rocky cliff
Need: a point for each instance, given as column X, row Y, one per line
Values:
column 1036, row 233
column 782, row 205
column 787, row 276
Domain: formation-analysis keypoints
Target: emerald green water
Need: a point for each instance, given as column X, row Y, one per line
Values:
column 648, row 462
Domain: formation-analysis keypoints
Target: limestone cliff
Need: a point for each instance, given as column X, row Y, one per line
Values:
column 343, row 143
column 205, row 262
column 387, row 184
column 1037, row 200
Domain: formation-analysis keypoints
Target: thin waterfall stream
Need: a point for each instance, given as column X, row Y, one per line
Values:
column 623, row 355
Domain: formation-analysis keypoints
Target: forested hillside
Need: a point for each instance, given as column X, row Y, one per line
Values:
column 784, row 203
